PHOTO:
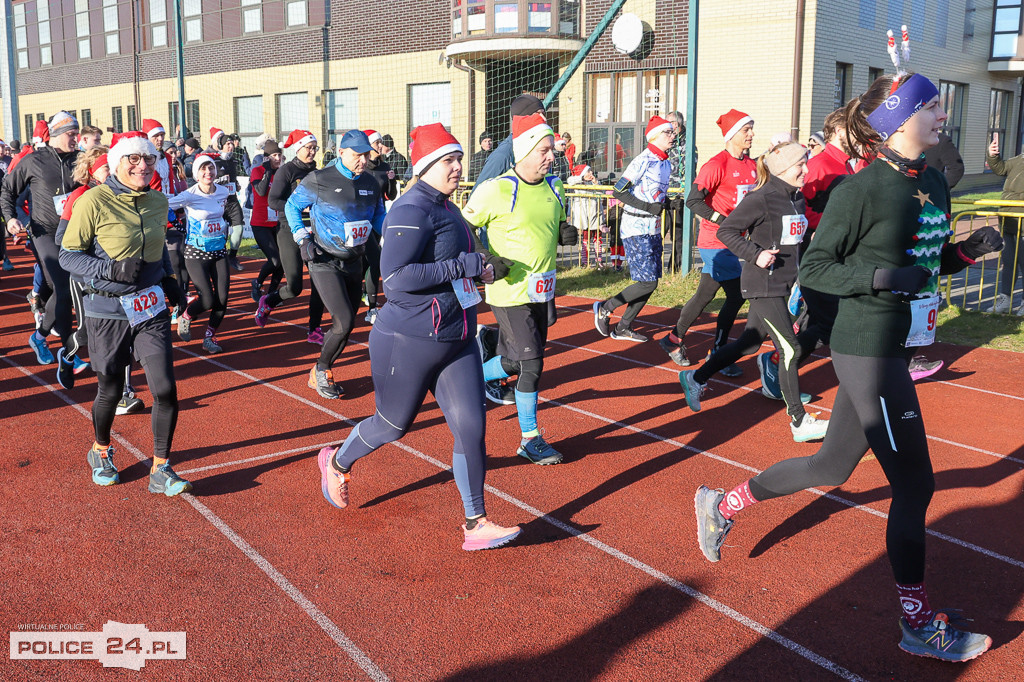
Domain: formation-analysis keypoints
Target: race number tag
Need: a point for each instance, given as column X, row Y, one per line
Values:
column 465, row 290
column 541, row 286
column 271, row 215
column 793, row 229
column 212, row 234
column 143, row 305
column 742, row 191
column 357, row 232
column 924, row 320
column 59, row 201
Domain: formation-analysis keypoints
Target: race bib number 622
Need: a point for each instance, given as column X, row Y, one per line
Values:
column 541, row 286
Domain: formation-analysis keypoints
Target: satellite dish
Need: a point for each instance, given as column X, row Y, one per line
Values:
column 627, row 33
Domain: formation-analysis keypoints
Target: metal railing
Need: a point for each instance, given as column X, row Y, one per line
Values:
column 977, row 286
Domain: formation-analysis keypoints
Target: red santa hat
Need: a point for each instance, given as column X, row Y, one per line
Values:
column 527, row 132
column 655, row 127
column 200, row 161
column 126, row 144
column 299, row 137
column 214, row 134
column 41, row 133
column 731, row 122
column 430, row 143
column 152, row 127
column 372, row 135
column 580, row 170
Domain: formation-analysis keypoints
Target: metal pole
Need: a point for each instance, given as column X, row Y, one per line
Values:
column 689, row 158
column 798, row 64
column 606, row 20
column 179, row 54
column 8, row 81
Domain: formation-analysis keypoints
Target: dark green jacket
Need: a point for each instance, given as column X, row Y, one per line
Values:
column 1013, row 169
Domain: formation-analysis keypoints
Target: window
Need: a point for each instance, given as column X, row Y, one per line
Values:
column 29, row 124
column 82, row 30
column 841, row 92
column 43, row 31
column 951, row 98
column 506, row 17
column 193, row 27
column 292, row 113
column 252, row 18
column 874, row 74
column 86, row 119
column 158, row 26
column 21, row 37
column 191, row 117
column 1006, row 29
column 569, row 17
column 430, row 103
column 295, row 13
column 539, row 17
column 476, row 17
column 117, row 119
column 46, row 55
column 342, row 108
column 999, row 116
column 40, row 117
column 457, row 18
column 249, row 120
column 110, row 26
column 625, row 98
column 133, row 121
column 84, row 48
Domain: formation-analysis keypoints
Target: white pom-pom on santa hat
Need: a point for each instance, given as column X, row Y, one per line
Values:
column 429, row 143
column 655, row 127
column 152, row 127
column 214, row 134
column 126, row 144
column 299, row 137
column 527, row 132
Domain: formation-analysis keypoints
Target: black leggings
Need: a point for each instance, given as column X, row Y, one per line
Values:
column 372, row 279
column 175, row 249
column 767, row 317
column 528, row 371
column 340, row 287
column 876, row 407
column 79, row 338
column 634, row 297
column 706, row 290
column 58, row 306
column 821, row 316
column 291, row 263
column 266, row 239
column 160, row 377
column 212, row 281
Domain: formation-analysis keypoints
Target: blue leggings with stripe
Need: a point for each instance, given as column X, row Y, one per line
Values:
column 404, row 368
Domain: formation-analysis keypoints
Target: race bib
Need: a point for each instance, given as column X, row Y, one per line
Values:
column 742, row 191
column 793, row 229
column 924, row 320
column 465, row 290
column 357, row 232
column 271, row 215
column 59, row 201
column 212, row 234
column 143, row 305
column 541, row 286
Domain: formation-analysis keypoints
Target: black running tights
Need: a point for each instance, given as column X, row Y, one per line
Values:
column 706, row 290
column 160, row 377
column 634, row 297
column 212, row 281
column 291, row 263
column 266, row 239
column 341, row 289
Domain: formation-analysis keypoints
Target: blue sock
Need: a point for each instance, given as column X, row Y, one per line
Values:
column 493, row 369
column 526, row 406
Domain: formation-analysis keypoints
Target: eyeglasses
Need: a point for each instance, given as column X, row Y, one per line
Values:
column 134, row 159
column 311, row 147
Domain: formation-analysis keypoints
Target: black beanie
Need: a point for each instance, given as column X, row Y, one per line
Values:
column 387, row 141
column 271, row 147
column 484, row 135
column 524, row 105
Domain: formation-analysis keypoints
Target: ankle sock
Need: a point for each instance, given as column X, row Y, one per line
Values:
column 736, row 499
column 157, row 463
column 914, row 602
column 674, row 339
column 471, row 523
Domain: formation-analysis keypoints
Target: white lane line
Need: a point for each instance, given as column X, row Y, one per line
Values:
column 258, row 458
column 296, row 595
column 727, row 611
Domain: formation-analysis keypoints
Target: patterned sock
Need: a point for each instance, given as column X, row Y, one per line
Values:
column 157, row 463
column 104, row 450
column 210, row 331
column 736, row 499
column 493, row 369
column 675, row 339
column 914, row 601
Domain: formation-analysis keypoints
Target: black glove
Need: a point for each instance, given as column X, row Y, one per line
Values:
column 568, row 235
column 981, row 242
column 678, row 203
column 656, row 207
column 472, row 263
column 908, row 280
column 502, row 266
column 125, row 271
column 309, row 250
column 172, row 291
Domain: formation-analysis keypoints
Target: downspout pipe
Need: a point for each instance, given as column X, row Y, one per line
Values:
column 798, row 64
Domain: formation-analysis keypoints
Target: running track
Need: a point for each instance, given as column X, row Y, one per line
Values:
column 606, row 581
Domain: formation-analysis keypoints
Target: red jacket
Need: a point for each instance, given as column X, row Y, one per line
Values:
column 262, row 214
column 822, row 171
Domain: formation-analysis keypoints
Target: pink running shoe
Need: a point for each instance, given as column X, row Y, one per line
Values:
column 316, row 336
column 333, row 483
column 487, row 535
column 262, row 311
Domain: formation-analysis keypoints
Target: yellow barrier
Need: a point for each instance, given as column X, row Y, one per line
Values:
column 971, row 216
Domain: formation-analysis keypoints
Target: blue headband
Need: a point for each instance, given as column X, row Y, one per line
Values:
column 897, row 109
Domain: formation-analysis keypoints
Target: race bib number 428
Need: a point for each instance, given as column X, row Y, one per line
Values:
column 143, row 305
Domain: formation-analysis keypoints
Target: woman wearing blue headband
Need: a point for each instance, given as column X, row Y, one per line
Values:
column 881, row 245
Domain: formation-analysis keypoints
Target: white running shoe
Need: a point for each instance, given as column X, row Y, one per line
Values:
column 811, row 428
column 1002, row 305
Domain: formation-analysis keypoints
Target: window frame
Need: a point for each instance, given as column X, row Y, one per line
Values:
column 1005, row 105
column 1004, row 6
column 954, row 124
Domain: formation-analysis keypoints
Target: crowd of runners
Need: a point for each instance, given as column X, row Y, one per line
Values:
column 134, row 240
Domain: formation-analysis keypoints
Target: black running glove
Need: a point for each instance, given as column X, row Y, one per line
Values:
column 656, row 207
column 908, row 280
column 568, row 235
column 982, row 242
column 172, row 291
column 125, row 271
column 502, row 266
column 308, row 250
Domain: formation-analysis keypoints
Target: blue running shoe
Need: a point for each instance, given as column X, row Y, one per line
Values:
column 80, row 364
column 165, row 481
column 538, row 451
column 940, row 639
column 770, row 379
column 796, row 300
column 37, row 342
column 103, row 470
column 65, row 369
column 692, row 389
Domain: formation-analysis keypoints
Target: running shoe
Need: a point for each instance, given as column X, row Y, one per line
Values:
column 939, row 639
column 488, row 535
column 80, row 364
column 691, row 389
column 676, row 353
column 129, row 403
column 174, row 316
column 497, row 391
column 1019, row 310
column 210, row 344
column 538, row 451
column 322, row 381
column 627, row 335
column 316, row 337
column 189, row 300
column 1002, row 305
column 184, row 327
column 165, row 481
column 262, row 311
column 602, row 320
column 37, row 342
column 333, row 483
column 921, row 367
column 371, row 315
column 768, row 367
column 796, row 300
column 8, row 265
column 65, row 370
column 103, row 470
column 486, row 342
column 35, row 303
column 712, row 527
column 234, row 264
column 257, row 291
column 810, row 428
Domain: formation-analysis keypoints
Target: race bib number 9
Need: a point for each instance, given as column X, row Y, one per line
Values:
column 742, row 191
column 924, row 320
column 793, row 229
column 541, row 286
column 466, row 292
column 143, row 305
column 357, row 232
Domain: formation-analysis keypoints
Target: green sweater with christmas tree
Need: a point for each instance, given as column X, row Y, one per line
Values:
column 879, row 218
